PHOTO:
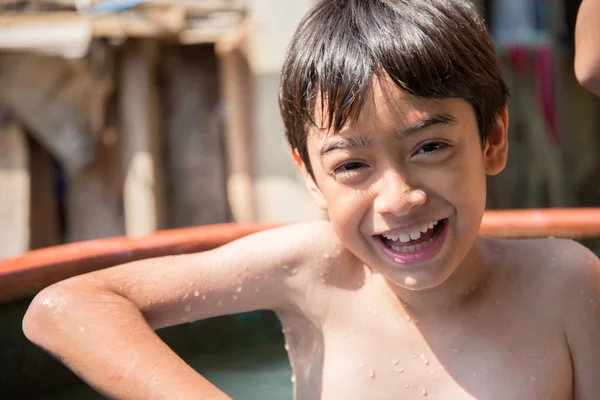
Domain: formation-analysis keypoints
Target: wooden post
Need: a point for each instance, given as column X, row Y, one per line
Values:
column 14, row 190
column 95, row 205
column 143, row 191
column 44, row 217
column 236, row 89
column 195, row 156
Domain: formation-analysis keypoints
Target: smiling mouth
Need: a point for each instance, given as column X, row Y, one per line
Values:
column 418, row 239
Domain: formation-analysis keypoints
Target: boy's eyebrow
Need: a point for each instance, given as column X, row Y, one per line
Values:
column 341, row 143
column 361, row 142
column 437, row 119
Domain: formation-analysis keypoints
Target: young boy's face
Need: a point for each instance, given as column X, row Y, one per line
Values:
column 405, row 185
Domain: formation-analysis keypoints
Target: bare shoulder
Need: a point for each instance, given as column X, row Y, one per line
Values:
column 551, row 256
column 564, row 273
column 552, row 270
column 560, row 279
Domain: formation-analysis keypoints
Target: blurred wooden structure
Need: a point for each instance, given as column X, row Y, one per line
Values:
column 130, row 116
column 124, row 116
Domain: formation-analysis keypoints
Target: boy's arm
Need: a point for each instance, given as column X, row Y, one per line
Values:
column 587, row 46
column 101, row 324
column 582, row 292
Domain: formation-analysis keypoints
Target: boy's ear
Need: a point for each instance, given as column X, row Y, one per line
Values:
column 309, row 181
column 495, row 150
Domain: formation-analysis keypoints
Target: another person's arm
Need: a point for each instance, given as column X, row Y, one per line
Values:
column 101, row 325
column 587, row 45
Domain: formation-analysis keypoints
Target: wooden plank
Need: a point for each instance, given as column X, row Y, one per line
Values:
column 138, row 110
column 45, row 220
column 64, row 36
column 195, row 149
column 199, row 7
column 14, row 190
column 69, row 33
column 235, row 82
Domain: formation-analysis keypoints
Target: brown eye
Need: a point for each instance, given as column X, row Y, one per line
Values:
column 351, row 166
column 432, row 147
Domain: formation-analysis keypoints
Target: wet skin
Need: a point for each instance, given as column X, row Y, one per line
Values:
column 395, row 297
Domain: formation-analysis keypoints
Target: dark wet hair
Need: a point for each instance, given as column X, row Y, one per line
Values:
column 430, row 48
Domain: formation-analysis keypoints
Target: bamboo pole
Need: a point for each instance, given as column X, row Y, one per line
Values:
column 235, row 80
column 14, row 190
column 143, row 191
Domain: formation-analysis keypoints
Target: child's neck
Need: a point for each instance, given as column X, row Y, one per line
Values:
column 472, row 277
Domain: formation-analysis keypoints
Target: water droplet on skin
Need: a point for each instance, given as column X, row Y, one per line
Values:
column 284, row 267
column 196, row 293
column 533, row 378
column 408, row 318
column 203, row 297
column 399, row 370
column 239, row 289
column 294, row 271
column 286, row 347
column 395, row 362
column 188, row 308
column 186, row 296
column 293, row 379
column 371, row 374
column 81, row 328
column 234, row 297
column 327, row 256
column 424, row 358
column 424, row 392
column 219, row 303
column 406, row 385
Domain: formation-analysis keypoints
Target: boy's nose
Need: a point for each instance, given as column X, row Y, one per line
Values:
column 396, row 197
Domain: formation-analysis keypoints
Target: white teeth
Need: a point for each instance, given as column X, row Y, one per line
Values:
column 410, row 249
column 406, row 237
column 414, row 235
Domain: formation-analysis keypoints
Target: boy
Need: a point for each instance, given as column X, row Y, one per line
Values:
column 395, row 111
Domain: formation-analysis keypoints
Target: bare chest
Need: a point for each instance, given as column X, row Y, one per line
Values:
column 375, row 352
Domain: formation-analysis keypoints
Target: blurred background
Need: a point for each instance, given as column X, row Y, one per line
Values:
column 124, row 117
